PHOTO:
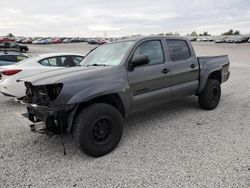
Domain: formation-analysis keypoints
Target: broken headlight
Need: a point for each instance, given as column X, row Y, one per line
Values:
column 54, row 91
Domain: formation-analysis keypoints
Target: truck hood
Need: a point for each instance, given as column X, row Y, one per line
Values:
column 62, row 75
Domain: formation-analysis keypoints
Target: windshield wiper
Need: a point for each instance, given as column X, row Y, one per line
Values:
column 95, row 64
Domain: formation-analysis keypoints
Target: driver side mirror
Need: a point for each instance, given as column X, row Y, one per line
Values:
column 139, row 60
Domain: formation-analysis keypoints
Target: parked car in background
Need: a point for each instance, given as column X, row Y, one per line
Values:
column 67, row 40
column 220, row 40
column 249, row 40
column 199, row 39
column 205, row 39
column 240, row 39
column 56, row 41
column 7, row 39
column 10, row 57
column 36, row 41
column 92, row 41
column 9, row 85
column 27, row 41
column 74, row 40
column 45, row 41
column 210, row 39
column 230, row 40
column 19, row 39
column 102, row 41
column 14, row 46
column 193, row 39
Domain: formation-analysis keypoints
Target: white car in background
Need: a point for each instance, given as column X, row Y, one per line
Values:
column 32, row 66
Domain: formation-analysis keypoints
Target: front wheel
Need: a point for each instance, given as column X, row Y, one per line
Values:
column 210, row 96
column 98, row 129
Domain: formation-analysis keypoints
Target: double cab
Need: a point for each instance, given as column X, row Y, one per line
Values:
column 117, row 79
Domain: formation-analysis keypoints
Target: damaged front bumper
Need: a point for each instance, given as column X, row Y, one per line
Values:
column 56, row 119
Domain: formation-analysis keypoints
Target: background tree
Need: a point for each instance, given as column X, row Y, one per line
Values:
column 176, row 33
column 237, row 32
column 230, row 32
column 206, row 34
column 169, row 34
column 10, row 35
column 194, row 33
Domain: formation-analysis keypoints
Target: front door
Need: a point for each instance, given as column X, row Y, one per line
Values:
column 150, row 84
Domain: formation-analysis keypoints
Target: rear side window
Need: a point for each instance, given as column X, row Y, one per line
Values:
column 178, row 50
column 154, row 51
column 11, row 58
column 20, row 57
column 60, row 61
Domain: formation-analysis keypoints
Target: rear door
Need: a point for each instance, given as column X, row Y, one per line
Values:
column 150, row 84
column 184, row 68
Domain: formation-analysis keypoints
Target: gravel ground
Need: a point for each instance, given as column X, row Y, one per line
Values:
column 173, row 145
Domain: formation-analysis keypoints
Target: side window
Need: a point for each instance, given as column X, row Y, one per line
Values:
column 13, row 45
column 60, row 61
column 53, row 62
column 44, row 62
column 11, row 58
column 178, row 50
column 77, row 59
column 154, row 51
column 68, row 61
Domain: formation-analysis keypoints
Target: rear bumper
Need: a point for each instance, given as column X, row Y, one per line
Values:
column 11, row 88
column 6, row 94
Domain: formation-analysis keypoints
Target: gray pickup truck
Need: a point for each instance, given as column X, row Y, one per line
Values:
column 117, row 79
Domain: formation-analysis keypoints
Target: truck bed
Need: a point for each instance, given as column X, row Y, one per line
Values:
column 210, row 64
column 218, row 60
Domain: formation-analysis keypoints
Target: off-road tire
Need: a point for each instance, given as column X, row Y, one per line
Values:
column 86, row 129
column 210, row 96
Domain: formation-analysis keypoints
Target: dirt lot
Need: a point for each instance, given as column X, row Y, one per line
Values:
column 173, row 145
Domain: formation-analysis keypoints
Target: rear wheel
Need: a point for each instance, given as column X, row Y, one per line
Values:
column 210, row 96
column 98, row 129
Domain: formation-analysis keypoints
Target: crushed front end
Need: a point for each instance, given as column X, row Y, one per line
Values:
column 46, row 115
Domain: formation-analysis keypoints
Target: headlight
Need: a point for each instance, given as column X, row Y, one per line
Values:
column 54, row 90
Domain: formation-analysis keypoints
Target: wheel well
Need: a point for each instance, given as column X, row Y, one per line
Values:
column 216, row 75
column 111, row 99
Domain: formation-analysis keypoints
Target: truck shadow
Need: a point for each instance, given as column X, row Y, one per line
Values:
column 132, row 126
column 178, row 106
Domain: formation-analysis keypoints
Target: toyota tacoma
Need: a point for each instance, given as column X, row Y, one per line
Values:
column 117, row 79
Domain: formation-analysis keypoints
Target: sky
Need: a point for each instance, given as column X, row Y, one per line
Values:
column 92, row 18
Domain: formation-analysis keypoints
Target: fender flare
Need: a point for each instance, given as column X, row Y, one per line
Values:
column 204, row 78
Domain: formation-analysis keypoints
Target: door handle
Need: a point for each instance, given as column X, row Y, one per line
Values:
column 192, row 66
column 165, row 71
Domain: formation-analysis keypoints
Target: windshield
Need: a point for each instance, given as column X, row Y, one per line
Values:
column 110, row 54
